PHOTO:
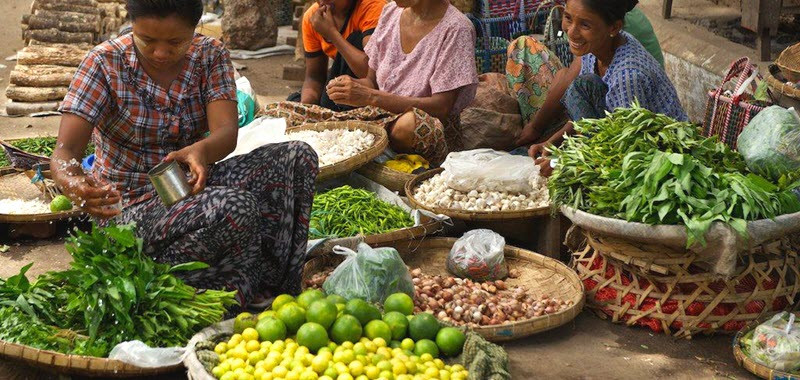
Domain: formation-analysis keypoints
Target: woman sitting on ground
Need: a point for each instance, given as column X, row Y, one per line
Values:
column 337, row 30
column 613, row 71
column 421, row 75
column 152, row 95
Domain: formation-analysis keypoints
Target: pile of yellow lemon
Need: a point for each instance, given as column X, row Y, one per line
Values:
column 244, row 357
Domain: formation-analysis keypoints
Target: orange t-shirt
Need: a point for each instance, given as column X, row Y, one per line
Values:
column 363, row 19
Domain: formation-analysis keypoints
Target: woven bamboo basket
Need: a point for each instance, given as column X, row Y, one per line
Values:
column 16, row 184
column 21, row 159
column 77, row 364
column 783, row 88
column 789, row 63
column 669, row 291
column 391, row 179
column 539, row 274
column 350, row 164
column 751, row 365
column 478, row 216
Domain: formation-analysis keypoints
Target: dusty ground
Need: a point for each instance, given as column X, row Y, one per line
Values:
column 587, row 348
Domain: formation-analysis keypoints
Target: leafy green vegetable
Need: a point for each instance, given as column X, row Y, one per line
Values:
column 112, row 293
column 345, row 211
column 42, row 146
column 644, row 167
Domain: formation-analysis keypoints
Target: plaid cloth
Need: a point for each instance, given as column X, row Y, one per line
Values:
column 136, row 121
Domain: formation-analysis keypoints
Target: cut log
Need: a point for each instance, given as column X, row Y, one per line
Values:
column 57, row 36
column 63, row 55
column 62, row 7
column 112, row 10
column 39, row 22
column 69, row 16
column 35, row 94
column 42, row 75
column 19, row 108
column 79, row 3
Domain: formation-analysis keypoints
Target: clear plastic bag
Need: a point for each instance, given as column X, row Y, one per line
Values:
column 478, row 255
column 490, row 170
column 770, row 143
column 369, row 274
column 776, row 343
column 137, row 353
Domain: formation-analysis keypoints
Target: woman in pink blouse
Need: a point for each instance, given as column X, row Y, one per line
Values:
column 422, row 75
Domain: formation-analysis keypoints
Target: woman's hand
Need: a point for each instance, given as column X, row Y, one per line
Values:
column 195, row 158
column 529, row 134
column 348, row 91
column 91, row 197
column 323, row 23
column 541, row 156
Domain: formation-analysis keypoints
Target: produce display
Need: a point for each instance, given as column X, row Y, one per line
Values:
column 112, row 293
column 42, row 146
column 775, row 343
column 469, row 303
column 24, row 207
column 315, row 336
column 345, row 211
column 334, row 145
column 434, row 192
column 369, row 274
column 770, row 143
column 644, row 167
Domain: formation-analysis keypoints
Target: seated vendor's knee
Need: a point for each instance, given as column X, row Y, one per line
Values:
column 401, row 133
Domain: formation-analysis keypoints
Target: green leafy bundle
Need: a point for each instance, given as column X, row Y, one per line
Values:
column 112, row 293
column 645, row 167
column 345, row 211
column 42, row 146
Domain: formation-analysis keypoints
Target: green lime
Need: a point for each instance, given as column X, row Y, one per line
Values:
column 450, row 341
column 293, row 316
column 426, row 346
column 306, row 298
column 322, row 311
column 313, row 336
column 423, row 326
column 271, row 329
column 335, row 298
column 347, row 328
column 243, row 321
column 378, row 329
column 362, row 310
column 398, row 323
column 60, row 203
column 280, row 301
column 399, row 302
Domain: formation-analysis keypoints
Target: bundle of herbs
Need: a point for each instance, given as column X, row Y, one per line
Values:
column 645, row 167
column 112, row 293
column 345, row 211
column 42, row 146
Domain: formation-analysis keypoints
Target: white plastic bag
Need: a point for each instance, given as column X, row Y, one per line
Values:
column 776, row 343
column 141, row 355
column 490, row 170
column 478, row 255
column 259, row 132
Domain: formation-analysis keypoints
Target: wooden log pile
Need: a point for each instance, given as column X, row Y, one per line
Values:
column 57, row 35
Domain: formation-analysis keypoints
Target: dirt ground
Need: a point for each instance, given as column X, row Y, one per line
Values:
column 587, row 348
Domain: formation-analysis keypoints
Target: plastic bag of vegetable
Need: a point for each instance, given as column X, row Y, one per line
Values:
column 369, row 274
column 490, row 170
column 478, row 255
column 770, row 143
column 776, row 343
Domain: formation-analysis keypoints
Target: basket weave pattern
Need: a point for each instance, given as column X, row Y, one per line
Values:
column 21, row 159
column 671, row 292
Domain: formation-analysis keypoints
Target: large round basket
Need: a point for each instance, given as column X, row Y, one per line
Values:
column 391, row 179
column 751, row 365
column 15, row 184
column 789, row 62
column 786, row 89
column 484, row 216
column 77, row 364
column 21, row 159
column 540, row 275
column 348, row 165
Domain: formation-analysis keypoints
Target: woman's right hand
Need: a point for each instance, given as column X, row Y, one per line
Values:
column 529, row 134
column 91, row 197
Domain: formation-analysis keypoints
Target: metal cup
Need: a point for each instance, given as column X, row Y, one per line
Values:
column 170, row 182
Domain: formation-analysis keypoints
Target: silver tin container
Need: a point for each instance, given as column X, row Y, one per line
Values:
column 170, row 182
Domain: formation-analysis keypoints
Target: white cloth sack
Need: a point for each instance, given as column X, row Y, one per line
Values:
column 259, row 132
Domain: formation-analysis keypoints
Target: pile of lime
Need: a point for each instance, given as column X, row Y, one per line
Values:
column 318, row 337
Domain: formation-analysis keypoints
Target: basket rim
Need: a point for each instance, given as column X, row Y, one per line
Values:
column 351, row 163
column 783, row 88
column 67, row 363
column 468, row 215
column 34, row 218
column 793, row 64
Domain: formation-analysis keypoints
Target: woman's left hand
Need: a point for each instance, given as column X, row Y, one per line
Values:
column 348, row 91
column 194, row 157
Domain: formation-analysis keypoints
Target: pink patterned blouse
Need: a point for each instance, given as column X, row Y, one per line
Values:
column 442, row 61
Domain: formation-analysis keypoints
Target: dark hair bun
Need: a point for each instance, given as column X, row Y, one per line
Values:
column 611, row 10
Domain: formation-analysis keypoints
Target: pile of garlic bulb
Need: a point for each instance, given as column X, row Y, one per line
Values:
column 434, row 192
column 335, row 145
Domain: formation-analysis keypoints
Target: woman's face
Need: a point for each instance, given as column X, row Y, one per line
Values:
column 162, row 41
column 587, row 31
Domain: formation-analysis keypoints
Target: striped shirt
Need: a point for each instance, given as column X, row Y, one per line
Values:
column 635, row 75
column 138, row 122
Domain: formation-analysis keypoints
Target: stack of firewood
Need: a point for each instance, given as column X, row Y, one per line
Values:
column 57, row 35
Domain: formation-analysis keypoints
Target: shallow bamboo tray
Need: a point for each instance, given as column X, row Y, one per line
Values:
column 789, row 62
column 350, row 164
column 751, row 365
column 783, row 88
column 390, row 179
column 78, row 364
column 16, row 184
column 539, row 274
column 481, row 216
